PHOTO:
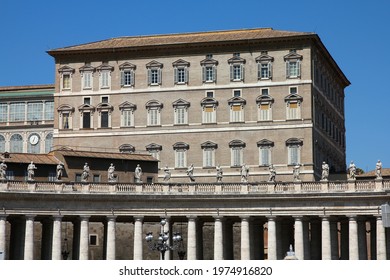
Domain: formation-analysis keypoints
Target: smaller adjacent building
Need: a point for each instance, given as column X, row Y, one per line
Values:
column 73, row 162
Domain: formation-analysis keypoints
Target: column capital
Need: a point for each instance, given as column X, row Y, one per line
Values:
column 84, row 217
column 139, row 218
column 3, row 216
column 352, row 217
column 192, row 217
column 111, row 218
column 245, row 217
column 57, row 217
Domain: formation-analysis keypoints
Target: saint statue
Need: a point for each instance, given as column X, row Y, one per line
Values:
column 352, row 170
column 219, row 174
column 272, row 173
column 244, row 173
column 111, row 175
column 60, row 169
column 167, row 175
column 378, row 170
column 85, row 174
column 325, row 171
column 190, row 173
column 138, row 174
column 31, row 171
column 3, row 170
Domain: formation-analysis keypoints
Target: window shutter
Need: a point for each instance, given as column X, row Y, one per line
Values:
column 204, row 74
column 159, row 76
column 231, row 72
column 259, row 71
column 186, row 75
column 242, row 69
column 287, row 69
column 175, row 73
column 214, row 74
column 270, row 70
column 122, row 78
column 298, row 68
column 149, row 76
column 132, row 76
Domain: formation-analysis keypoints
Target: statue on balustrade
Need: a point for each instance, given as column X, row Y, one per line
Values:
column 352, row 170
column 296, row 172
column 167, row 175
column 85, row 174
column 325, row 171
column 31, row 171
column 190, row 173
column 378, row 170
column 3, row 170
column 219, row 174
column 138, row 174
column 111, row 174
column 272, row 173
column 60, row 170
column 244, row 173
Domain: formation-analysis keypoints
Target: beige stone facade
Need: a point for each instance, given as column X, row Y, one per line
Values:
column 228, row 98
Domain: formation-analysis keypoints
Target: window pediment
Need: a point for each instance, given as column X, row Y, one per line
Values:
column 127, row 66
column 293, row 56
column 181, row 62
column 294, row 142
column 105, row 67
column 209, row 62
column 265, row 143
column 127, row 148
column 66, row 70
column 209, row 145
column 264, row 58
column 209, row 101
column 127, row 105
column 236, row 60
column 181, row 146
column 154, row 64
column 65, row 108
column 86, row 107
column 264, row 99
column 293, row 97
column 237, row 144
column 104, row 106
column 181, row 103
column 237, row 100
column 153, row 147
column 87, row 68
column 153, row 104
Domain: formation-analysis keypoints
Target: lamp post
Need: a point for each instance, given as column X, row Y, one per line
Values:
column 162, row 244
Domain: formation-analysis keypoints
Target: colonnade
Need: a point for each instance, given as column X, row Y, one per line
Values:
column 267, row 237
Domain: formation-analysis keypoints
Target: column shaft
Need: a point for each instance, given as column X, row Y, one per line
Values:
column 138, row 238
column 353, row 239
column 218, row 239
column 3, row 222
column 326, row 240
column 56, row 241
column 272, row 248
column 84, row 238
column 29, row 239
column 298, row 238
column 380, row 239
column 110, row 246
column 245, row 239
column 191, row 239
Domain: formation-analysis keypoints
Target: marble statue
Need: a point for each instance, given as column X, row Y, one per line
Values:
column 325, row 171
column 378, row 170
column 352, row 170
column 244, row 173
column 138, row 174
column 190, row 173
column 60, row 170
column 85, row 174
column 111, row 174
column 3, row 170
column 296, row 172
column 167, row 175
column 272, row 173
column 31, row 171
column 219, row 174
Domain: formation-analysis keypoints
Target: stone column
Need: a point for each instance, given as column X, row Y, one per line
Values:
column 353, row 239
column 29, row 238
column 138, row 238
column 218, row 238
column 326, row 244
column 298, row 238
column 168, row 228
column 272, row 248
column 3, row 246
column 191, row 238
column 84, row 238
column 380, row 239
column 56, row 241
column 110, row 246
column 245, row 239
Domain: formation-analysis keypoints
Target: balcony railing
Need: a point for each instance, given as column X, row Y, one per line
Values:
column 197, row 188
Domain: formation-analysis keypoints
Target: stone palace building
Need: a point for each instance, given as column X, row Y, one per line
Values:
column 257, row 98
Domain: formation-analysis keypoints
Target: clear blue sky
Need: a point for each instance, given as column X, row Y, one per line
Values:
column 356, row 33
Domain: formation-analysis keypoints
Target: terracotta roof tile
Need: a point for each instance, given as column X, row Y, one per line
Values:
column 183, row 38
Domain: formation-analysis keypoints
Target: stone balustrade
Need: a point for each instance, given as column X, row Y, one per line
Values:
column 201, row 188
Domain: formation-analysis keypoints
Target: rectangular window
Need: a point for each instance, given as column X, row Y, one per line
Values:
column 96, row 178
column 181, row 115
column 86, row 120
column 93, row 240
column 180, row 159
column 293, row 111
column 127, row 118
column 210, row 94
column 87, row 100
column 236, row 156
column 209, row 74
column 264, row 91
column 3, row 112
column 265, row 71
column 154, row 76
column 49, row 110
column 104, row 99
column 208, row 157
column 66, row 81
column 87, row 80
column 65, row 121
column 181, row 75
column 293, row 90
column 293, row 69
column 293, row 155
column 236, row 72
column 104, row 122
column 105, row 79
column 236, row 113
column 209, row 114
column 264, row 156
column 265, row 112
column 34, row 111
column 154, row 116
column 17, row 112
column 127, row 78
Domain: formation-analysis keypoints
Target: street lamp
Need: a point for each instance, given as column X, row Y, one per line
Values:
column 162, row 245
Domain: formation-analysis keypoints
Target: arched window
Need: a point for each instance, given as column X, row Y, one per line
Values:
column 49, row 142
column 16, row 143
column 2, row 144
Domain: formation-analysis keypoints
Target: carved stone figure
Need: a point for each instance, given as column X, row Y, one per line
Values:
column 31, row 171
column 190, row 173
column 111, row 175
column 272, row 173
column 325, row 171
column 352, row 170
column 244, row 173
column 378, row 170
column 85, row 174
column 138, row 174
column 167, row 175
column 219, row 174
column 3, row 170
column 296, row 172
column 60, row 170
